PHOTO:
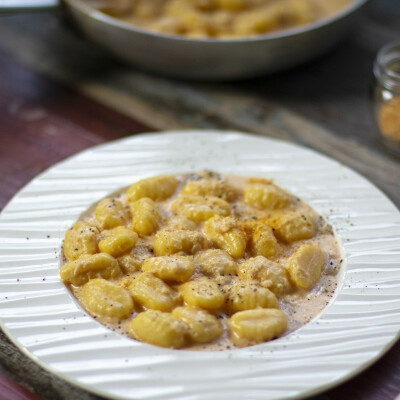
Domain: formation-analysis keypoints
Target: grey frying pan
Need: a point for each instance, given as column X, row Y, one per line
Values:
column 201, row 59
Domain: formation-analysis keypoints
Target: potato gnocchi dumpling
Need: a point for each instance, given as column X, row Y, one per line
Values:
column 159, row 328
column 170, row 268
column 225, row 234
column 188, row 242
column 104, row 298
column 155, row 188
column 200, row 208
column 111, row 213
column 117, row 241
column 262, row 241
column 145, row 216
column 81, row 239
column 294, row 226
column 203, row 293
column 257, row 326
column 100, row 265
column 216, row 262
column 266, row 272
column 266, row 196
column 211, row 187
column 247, row 295
column 306, row 265
column 203, row 261
column 203, row 327
column 151, row 292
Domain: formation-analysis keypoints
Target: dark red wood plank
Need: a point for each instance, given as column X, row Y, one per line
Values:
column 42, row 122
column 10, row 390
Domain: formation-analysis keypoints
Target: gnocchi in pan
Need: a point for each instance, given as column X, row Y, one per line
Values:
column 202, row 261
column 222, row 19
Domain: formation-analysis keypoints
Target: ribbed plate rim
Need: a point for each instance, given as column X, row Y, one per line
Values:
column 208, row 137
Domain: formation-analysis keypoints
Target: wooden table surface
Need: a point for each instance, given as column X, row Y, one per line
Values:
column 60, row 94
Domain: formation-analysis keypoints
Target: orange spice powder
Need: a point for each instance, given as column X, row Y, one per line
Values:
column 389, row 119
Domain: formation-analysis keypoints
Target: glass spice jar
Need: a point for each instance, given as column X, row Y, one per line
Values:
column 386, row 95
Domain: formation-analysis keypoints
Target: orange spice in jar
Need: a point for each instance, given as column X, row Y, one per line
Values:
column 389, row 119
column 387, row 95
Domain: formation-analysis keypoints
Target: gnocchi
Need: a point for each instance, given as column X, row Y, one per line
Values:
column 268, row 273
column 203, row 261
column 159, row 328
column 151, row 292
column 249, row 295
column 145, row 216
column 155, row 188
column 189, row 242
column 111, row 213
column 170, row 268
column 87, row 267
column 294, row 226
column 262, row 241
column 216, row 262
column 203, row 293
column 211, row 187
column 266, row 196
column 306, row 265
column 117, row 241
column 224, row 19
column 203, row 326
column 81, row 239
column 257, row 326
column 105, row 298
column 226, row 235
column 200, row 208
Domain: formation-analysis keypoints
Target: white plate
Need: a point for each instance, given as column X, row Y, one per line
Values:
column 42, row 318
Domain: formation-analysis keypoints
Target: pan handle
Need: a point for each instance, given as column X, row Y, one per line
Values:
column 22, row 6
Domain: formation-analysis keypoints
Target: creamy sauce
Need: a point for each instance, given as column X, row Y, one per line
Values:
column 301, row 306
